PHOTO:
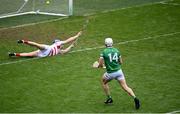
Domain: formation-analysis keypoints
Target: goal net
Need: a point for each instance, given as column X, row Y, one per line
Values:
column 9, row 8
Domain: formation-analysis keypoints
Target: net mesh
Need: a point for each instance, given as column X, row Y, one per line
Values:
column 10, row 7
column 53, row 6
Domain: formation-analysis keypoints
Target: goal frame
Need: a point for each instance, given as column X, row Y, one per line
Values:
column 16, row 13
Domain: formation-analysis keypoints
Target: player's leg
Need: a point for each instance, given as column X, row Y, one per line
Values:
column 29, row 54
column 37, row 45
column 73, row 38
column 125, row 87
column 105, row 86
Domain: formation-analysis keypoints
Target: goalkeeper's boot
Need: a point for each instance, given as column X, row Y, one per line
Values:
column 20, row 41
column 12, row 54
column 137, row 103
column 108, row 101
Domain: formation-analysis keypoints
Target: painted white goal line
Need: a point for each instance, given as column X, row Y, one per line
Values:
column 94, row 48
column 31, row 24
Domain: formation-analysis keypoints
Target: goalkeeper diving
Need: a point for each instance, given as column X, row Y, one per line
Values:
column 47, row 50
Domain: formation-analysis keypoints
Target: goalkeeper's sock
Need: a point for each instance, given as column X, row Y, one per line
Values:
column 17, row 54
column 26, row 41
column 14, row 54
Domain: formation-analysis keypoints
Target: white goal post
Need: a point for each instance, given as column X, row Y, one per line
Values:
column 9, row 8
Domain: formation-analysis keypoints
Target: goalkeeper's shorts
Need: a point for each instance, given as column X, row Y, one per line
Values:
column 45, row 52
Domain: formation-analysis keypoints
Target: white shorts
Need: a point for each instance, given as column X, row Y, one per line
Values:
column 118, row 75
column 45, row 52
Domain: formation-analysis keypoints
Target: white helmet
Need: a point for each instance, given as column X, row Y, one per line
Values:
column 56, row 40
column 108, row 42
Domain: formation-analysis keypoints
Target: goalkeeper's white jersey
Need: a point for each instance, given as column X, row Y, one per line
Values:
column 55, row 48
column 51, row 50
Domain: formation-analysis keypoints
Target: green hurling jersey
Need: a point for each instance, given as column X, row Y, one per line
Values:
column 111, row 59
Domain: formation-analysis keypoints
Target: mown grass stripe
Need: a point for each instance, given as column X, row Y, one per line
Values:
column 94, row 48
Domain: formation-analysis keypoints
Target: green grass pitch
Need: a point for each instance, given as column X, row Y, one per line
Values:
column 68, row 83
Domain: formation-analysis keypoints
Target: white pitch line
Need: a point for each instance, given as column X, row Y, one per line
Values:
column 19, row 61
column 125, row 42
column 174, row 112
column 31, row 24
column 129, row 7
column 94, row 48
column 169, row 3
column 174, row 4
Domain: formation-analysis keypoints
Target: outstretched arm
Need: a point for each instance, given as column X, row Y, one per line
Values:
column 73, row 38
column 63, row 51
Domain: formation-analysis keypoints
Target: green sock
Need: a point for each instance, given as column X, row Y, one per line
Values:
column 133, row 97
